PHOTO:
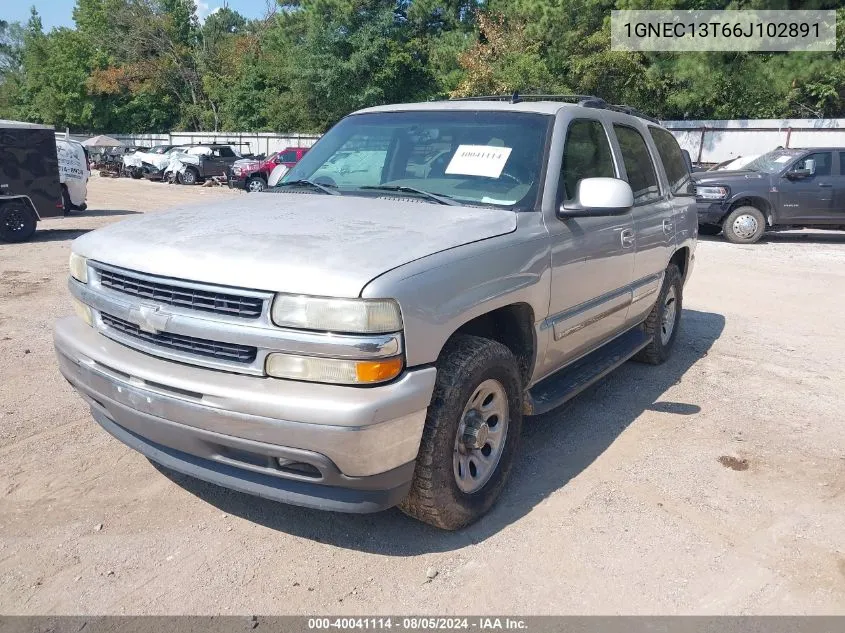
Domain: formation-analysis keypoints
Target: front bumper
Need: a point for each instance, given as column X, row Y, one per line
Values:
column 709, row 212
column 343, row 448
column 236, row 182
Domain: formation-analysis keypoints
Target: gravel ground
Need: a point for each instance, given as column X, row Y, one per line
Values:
column 712, row 484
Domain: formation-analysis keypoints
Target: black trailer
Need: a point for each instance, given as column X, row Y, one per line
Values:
column 29, row 179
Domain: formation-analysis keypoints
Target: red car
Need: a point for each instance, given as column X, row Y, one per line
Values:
column 251, row 174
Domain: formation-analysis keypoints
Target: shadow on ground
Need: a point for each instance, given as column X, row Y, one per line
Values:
column 57, row 235
column 556, row 447
column 101, row 213
column 788, row 237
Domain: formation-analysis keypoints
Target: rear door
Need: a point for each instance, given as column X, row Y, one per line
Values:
column 652, row 213
column 837, row 210
column 592, row 258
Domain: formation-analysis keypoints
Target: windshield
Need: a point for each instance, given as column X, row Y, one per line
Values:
column 478, row 158
column 773, row 162
column 159, row 149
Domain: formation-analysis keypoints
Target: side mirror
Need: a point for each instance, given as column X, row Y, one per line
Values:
column 276, row 175
column 598, row 197
column 808, row 170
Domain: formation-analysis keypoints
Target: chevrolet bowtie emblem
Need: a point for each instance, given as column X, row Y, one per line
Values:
column 149, row 318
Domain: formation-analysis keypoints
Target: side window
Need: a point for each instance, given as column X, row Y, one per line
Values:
column 673, row 159
column 225, row 152
column 586, row 154
column 823, row 163
column 288, row 157
column 842, row 163
column 638, row 164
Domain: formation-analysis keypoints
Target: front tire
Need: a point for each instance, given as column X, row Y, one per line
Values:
column 471, row 435
column 17, row 222
column 189, row 176
column 255, row 184
column 744, row 225
column 664, row 320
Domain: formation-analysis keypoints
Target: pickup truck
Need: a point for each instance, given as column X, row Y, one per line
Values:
column 203, row 161
column 377, row 341
column 784, row 189
column 252, row 175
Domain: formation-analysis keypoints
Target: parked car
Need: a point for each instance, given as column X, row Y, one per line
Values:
column 73, row 174
column 147, row 163
column 30, row 189
column 252, row 174
column 784, row 189
column 354, row 347
column 203, row 161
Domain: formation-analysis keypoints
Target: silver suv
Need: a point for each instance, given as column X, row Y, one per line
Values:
column 371, row 331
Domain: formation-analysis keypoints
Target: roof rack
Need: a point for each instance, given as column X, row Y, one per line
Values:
column 586, row 101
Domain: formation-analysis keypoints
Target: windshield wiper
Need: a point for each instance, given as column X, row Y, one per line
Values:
column 439, row 198
column 310, row 183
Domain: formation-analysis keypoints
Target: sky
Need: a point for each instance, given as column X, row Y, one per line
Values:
column 60, row 12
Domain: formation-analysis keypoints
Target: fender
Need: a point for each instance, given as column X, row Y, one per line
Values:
column 22, row 197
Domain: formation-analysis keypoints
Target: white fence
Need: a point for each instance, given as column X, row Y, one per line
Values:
column 717, row 141
column 245, row 142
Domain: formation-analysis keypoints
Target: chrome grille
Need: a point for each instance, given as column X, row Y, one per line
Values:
column 229, row 352
column 182, row 296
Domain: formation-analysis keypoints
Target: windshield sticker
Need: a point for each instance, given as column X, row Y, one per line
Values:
column 783, row 159
column 479, row 160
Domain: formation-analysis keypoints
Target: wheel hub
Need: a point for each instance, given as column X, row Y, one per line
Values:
column 481, row 437
column 745, row 226
column 476, row 431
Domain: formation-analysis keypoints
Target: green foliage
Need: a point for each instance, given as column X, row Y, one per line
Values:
column 151, row 65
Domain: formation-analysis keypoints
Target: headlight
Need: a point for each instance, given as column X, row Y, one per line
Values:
column 362, row 316
column 333, row 370
column 711, row 193
column 79, row 268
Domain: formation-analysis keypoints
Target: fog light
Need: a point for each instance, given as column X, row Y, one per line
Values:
column 83, row 311
column 333, row 370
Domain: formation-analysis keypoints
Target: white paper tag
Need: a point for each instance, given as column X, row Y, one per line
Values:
column 783, row 159
column 479, row 160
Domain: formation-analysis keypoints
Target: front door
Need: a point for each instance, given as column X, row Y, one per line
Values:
column 807, row 199
column 592, row 258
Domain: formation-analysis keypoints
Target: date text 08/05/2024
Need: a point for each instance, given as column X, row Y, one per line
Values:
column 418, row 623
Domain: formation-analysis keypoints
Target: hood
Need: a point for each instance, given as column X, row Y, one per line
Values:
column 727, row 175
column 300, row 243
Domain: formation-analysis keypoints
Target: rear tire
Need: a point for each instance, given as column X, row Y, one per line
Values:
column 477, row 395
column 67, row 205
column 744, row 225
column 136, row 173
column 664, row 320
column 17, row 222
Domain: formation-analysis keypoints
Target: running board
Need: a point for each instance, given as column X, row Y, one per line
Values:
column 567, row 383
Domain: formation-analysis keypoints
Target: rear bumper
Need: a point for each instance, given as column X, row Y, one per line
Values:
column 709, row 212
column 322, row 446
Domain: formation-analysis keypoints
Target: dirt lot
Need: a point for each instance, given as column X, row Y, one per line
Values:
column 713, row 484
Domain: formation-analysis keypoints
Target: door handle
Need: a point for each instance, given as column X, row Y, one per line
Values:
column 627, row 237
column 668, row 227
